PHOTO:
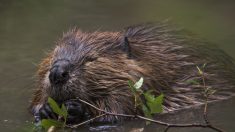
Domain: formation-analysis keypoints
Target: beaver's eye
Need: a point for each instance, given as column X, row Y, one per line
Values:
column 90, row 59
column 126, row 47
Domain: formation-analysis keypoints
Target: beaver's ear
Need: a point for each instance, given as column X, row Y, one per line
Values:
column 126, row 47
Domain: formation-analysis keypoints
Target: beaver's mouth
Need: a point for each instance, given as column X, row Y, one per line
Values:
column 59, row 91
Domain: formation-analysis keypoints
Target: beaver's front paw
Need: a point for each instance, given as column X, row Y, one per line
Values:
column 46, row 112
column 43, row 112
column 76, row 112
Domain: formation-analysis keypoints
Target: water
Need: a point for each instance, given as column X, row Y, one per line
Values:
column 29, row 29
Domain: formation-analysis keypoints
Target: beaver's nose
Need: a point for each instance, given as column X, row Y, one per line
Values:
column 59, row 73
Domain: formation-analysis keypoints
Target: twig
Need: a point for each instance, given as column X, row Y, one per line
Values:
column 169, row 125
column 77, row 125
column 106, row 112
column 207, row 94
column 206, row 98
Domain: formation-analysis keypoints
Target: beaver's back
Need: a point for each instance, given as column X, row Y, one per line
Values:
column 173, row 57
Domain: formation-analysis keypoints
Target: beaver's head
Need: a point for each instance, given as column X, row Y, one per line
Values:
column 90, row 65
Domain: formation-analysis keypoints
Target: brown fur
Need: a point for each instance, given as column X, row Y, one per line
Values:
column 167, row 60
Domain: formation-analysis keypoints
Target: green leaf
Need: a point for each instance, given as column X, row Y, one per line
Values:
column 204, row 65
column 193, row 82
column 158, row 104
column 211, row 92
column 147, row 113
column 131, row 85
column 199, row 70
column 47, row 123
column 154, row 104
column 139, row 83
column 64, row 111
column 149, row 97
column 55, row 107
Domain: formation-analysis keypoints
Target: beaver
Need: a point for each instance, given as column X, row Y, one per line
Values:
column 96, row 67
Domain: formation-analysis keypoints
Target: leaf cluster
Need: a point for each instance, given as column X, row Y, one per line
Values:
column 150, row 104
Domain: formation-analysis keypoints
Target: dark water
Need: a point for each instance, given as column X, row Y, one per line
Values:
column 29, row 28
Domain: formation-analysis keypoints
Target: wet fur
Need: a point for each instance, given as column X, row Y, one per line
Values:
column 165, row 57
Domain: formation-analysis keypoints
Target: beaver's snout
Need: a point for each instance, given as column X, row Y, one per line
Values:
column 59, row 73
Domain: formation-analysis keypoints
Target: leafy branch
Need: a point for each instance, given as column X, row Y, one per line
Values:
column 207, row 92
column 152, row 104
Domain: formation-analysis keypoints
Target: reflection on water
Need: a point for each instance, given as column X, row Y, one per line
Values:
column 29, row 28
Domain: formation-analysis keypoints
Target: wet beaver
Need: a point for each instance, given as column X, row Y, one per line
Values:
column 96, row 67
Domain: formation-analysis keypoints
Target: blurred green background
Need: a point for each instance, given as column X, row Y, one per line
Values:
column 29, row 29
